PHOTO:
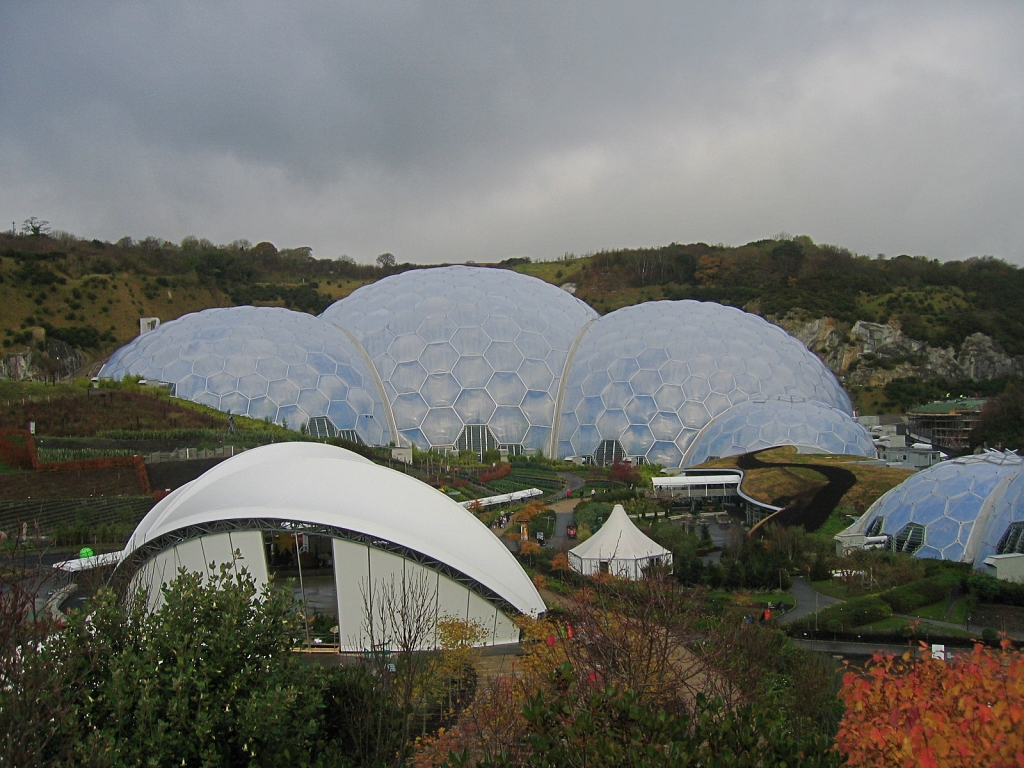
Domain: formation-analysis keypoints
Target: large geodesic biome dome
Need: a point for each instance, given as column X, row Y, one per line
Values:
column 645, row 379
column 965, row 509
column 263, row 362
column 472, row 358
column 358, row 531
column 463, row 347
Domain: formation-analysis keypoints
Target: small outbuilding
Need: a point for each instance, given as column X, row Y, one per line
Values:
column 619, row 548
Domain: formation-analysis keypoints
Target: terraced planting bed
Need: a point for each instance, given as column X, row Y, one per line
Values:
column 520, row 480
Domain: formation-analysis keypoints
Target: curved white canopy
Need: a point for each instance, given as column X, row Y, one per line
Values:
column 324, row 485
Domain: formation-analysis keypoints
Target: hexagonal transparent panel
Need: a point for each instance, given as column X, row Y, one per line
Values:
column 757, row 424
column 667, row 363
column 947, row 500
column 264, row 362
column 476, row 345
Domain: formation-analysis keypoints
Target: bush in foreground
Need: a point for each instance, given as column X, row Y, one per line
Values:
column 209, row 679
column 929, row 712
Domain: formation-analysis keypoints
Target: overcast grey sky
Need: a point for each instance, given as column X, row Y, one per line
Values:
column 480, row 131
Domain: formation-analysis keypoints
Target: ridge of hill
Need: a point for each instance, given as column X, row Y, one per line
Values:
column 69, row 301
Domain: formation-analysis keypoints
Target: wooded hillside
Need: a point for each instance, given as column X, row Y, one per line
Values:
column 89, row 294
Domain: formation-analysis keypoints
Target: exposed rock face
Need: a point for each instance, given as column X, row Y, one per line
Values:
column 58, row 362
column 982, row 358
column 875, row 354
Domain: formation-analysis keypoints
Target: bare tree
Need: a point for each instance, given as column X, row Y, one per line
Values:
column 400, row 624
column 643, row 636
column 386, row 260
column 35, row 227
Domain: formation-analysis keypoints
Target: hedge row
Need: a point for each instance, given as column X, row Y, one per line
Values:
column 917, row 594
column 989, row 589
column 243, row 435
column 842, row 617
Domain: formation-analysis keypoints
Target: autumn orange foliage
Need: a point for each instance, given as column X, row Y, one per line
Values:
column 527, row 513
column 927, row 712
column 529, row 548
column 560, row 562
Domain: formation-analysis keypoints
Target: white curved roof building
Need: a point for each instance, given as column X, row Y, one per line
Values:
column 473, row 358
column 381, row 525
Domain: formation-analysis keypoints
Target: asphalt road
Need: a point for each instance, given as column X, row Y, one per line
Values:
column 808, row 600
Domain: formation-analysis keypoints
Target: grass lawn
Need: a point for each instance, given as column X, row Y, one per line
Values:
column 777, row 483
column 832, row 588
column 896, row 624
column 937, row 612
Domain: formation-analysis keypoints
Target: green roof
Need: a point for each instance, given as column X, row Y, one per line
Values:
column 951, row 406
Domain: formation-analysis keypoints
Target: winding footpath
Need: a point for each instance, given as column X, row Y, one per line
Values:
column 815, row 512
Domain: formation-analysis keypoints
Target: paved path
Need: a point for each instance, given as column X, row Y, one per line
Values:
column 573, row 481
column 808, row 600
column 496, row 661
column 810, row 514
column 563, row 510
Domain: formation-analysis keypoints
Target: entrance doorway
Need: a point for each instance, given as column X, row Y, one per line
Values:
column 303, row 564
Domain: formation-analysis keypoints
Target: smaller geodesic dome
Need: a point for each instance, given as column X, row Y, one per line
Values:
column 618, row 548
column 378, row 527
column 950, row 510
column 263, row 362
column 765, row 423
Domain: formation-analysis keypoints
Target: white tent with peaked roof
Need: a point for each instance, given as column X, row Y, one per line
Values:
column 619, row 548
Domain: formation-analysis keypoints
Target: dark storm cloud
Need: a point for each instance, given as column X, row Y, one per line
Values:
column 461, row 131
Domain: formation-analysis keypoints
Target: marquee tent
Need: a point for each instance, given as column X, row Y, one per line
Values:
column 619, row 548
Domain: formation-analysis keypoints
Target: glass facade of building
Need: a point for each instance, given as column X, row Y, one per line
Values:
column 1003, row 532
column 758, row 424
column 263, row 362
column 651, row 376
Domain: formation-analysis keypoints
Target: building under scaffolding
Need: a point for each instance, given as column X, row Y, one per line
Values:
column 947, row 423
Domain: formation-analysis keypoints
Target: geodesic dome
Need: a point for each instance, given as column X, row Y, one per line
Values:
column 648, row 378
column 942, row 512
column 477, row 358
column 759, row 423
column 466, row 346
column 263, row 362
column 1003, row 531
